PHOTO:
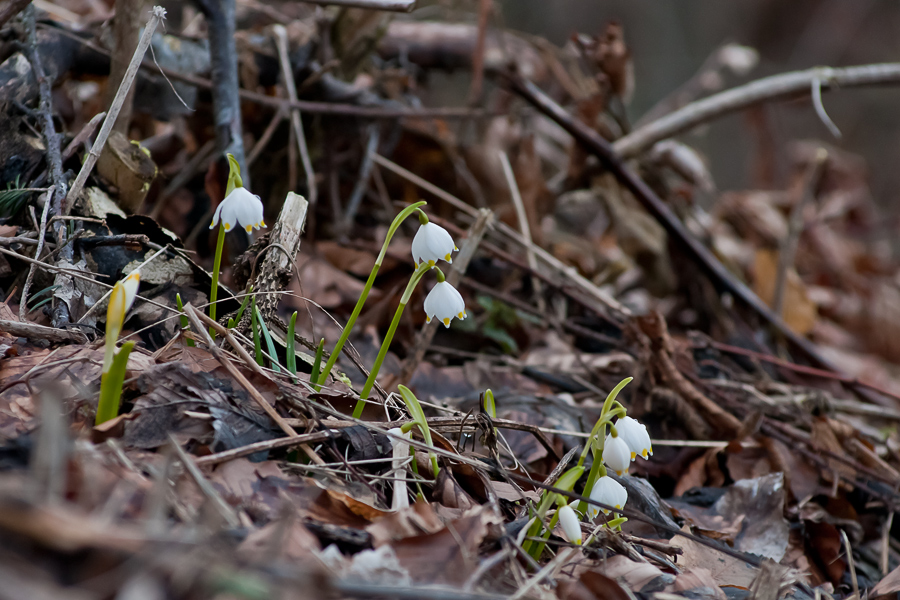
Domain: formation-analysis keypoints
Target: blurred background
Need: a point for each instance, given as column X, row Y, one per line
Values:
column 669, row 41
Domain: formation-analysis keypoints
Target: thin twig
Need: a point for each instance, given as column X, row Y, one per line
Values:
column 767, row 89
column 205, row 486
column 266, row 136
column 157, row 14
column 99, row 302
column 296, row 119
column 285, row 442
column 362, row 182
column 789, row 244
column 42, row 232
column 389, row 5
column 524, row 226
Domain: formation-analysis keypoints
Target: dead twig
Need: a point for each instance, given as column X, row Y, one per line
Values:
column 285, row 442
column 296, row 120
column 42, row 233
column 767, row 89
column 157, row 14
column 523, row 226
column 789, row 244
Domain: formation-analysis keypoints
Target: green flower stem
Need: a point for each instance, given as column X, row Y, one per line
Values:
column 290, row 350
column 336, row 352
column 598, row 470
column 111, row 385
column 535, row 529
column 388, row 338
column 538, row 548
column 214, row 290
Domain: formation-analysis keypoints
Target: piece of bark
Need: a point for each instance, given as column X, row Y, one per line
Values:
column 275, row 266
column 128, row 167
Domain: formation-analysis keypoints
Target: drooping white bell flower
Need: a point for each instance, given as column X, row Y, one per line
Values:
column 444, row 303
column 239, row 207
column 400, row 455
column 568, row 522
column 608, row 491
column 431, row 244
column 616, row 454
column 635, row 435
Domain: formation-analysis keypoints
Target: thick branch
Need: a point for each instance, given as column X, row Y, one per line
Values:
column 761, row 90
column 226, row 98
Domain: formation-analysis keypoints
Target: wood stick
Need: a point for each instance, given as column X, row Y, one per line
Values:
column 157, row 14
column 285, row 442
column 776, row 87
column 296, row 120
column 33, row 331
column 523, row 226
column 388, row 5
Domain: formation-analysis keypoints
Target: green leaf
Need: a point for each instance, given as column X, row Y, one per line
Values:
column 270, row 344
column 111, row 385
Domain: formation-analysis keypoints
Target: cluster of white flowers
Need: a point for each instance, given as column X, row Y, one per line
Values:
column 431, row 244
column 618, row 452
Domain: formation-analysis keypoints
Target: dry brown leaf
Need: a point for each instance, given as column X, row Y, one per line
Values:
column 725, row 569
column 799, row 312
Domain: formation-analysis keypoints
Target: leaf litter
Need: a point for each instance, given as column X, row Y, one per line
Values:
column 774, row 474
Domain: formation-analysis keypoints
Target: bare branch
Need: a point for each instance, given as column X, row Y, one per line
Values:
column 741, row 97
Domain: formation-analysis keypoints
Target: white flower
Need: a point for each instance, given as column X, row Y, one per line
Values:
column 400, row 455
column 608, row 491
column 241, row 207
column 635, row 435
column 616, row 454
column 445, row 303
column 431, row 244
column 569, row 523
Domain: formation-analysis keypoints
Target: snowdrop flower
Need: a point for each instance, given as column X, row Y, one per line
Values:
column 121, row 299
column 635, row 435
column 431, row 244
column 445, row 303
column 400, row 455
column 616, row 454
column 569, row 523
column 608, row 491
column 241, row 207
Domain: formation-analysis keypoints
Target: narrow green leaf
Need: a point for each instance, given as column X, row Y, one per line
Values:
column 257, row 347
column 270, row 345
column 111, row 385
column 183, row 318
column 290, row 349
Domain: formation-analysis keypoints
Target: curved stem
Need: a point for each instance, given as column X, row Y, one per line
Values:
column 413, row 282
column 367, row 389
column 336, row 352
column 214, row 290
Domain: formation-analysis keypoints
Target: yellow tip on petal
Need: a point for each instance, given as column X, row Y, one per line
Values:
column 461, row 316
column 227, row 227
column 447, row 322
column 428, row 319
column 634, row 455
column 249, row 228
column 644, row 453
column 431, row 263
column 447, row 258
column 262, row 224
